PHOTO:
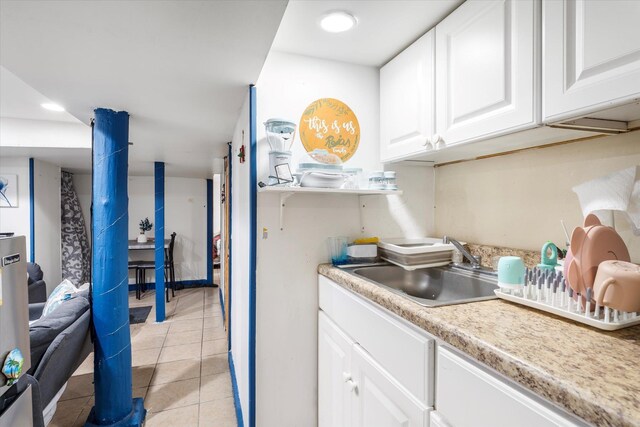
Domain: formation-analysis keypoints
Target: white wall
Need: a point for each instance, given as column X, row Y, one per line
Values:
column 185, row 214
column 240, row 260
column 48, row 223
column 289, row 83
column 17, row 219
column 47, row 219
column 518, row 200
column 287, row 260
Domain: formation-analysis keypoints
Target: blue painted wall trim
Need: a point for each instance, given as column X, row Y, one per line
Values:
column 229, row 199
column 32, row 210
column 236, row 396
column 209, row 231
column 221, row 305
column 159, row 238
column 253, row 226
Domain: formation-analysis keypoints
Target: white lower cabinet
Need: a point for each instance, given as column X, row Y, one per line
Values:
column 437, row 420
column 469, row 396
column 378, row 399
column 354, row 390
column 376, row 370
column 334, row 363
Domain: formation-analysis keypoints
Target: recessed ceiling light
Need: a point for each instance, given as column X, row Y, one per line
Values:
column 52, row 107
column 338, row 21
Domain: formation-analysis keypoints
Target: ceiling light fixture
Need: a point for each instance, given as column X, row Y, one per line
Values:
column 338, row 21
column 52, row 107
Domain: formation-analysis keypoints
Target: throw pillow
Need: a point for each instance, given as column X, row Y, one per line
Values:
column 62, row 292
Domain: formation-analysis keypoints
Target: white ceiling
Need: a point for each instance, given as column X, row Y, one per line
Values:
column 18, row 100
column 384, row 29
column 181, row 69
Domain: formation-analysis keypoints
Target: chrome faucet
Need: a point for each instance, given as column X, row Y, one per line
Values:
column 475, row 261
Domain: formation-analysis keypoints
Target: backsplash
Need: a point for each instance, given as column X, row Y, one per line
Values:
column 517, row 200
column 530, row 258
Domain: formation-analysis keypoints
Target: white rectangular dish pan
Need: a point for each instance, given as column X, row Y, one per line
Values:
column 416, row 253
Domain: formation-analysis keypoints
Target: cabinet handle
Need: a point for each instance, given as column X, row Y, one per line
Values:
column 353, row 386
column 346, row 376
column 426, row 142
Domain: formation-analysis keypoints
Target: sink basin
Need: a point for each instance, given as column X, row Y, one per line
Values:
column 432, row 287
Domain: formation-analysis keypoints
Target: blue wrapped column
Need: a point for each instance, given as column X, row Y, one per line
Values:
column 114, row 405
column 159, row 240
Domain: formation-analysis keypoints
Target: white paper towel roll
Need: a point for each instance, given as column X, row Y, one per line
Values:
column 618, row 191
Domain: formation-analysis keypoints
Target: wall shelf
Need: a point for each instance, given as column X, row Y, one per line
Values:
column 286, row 192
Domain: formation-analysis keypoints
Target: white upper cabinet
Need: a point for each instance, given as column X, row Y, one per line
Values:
column 486, row 80
column 407, row 100
column 591, row 56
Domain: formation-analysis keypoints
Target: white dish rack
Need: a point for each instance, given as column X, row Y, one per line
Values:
column 560, row 304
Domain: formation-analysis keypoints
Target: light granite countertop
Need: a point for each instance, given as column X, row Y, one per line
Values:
column 591, row 373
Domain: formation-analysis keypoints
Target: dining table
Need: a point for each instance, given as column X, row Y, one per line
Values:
column 150, row 244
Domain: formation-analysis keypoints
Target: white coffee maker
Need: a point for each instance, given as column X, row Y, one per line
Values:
column 280, row 135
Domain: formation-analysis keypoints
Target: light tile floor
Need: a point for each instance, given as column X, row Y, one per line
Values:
column 179, row 366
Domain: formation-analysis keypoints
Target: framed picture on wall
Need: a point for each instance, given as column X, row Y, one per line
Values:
column 8, row 190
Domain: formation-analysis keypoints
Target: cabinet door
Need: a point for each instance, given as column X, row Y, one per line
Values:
column 381, row 335
column 485, row 71
column 591, row 56
column 406, row 101
column 380, row 401
column 488, row 401
column 334, row 371
column 437, row 420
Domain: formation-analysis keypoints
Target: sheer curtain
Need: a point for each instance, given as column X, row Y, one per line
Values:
column 76, row 253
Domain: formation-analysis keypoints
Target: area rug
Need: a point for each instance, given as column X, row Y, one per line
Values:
column 139, row 314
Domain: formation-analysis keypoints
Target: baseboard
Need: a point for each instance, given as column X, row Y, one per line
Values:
column 236, row 393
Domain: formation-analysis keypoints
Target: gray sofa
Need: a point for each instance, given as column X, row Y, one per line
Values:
column 36, row 285
column 60, row 342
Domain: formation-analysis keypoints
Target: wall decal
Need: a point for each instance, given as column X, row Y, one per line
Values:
column 329, row 124
column 8, row 191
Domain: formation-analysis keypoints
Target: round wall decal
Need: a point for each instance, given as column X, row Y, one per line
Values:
column 329, row 124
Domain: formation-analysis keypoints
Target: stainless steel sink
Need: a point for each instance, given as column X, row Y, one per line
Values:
column 432, row 287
